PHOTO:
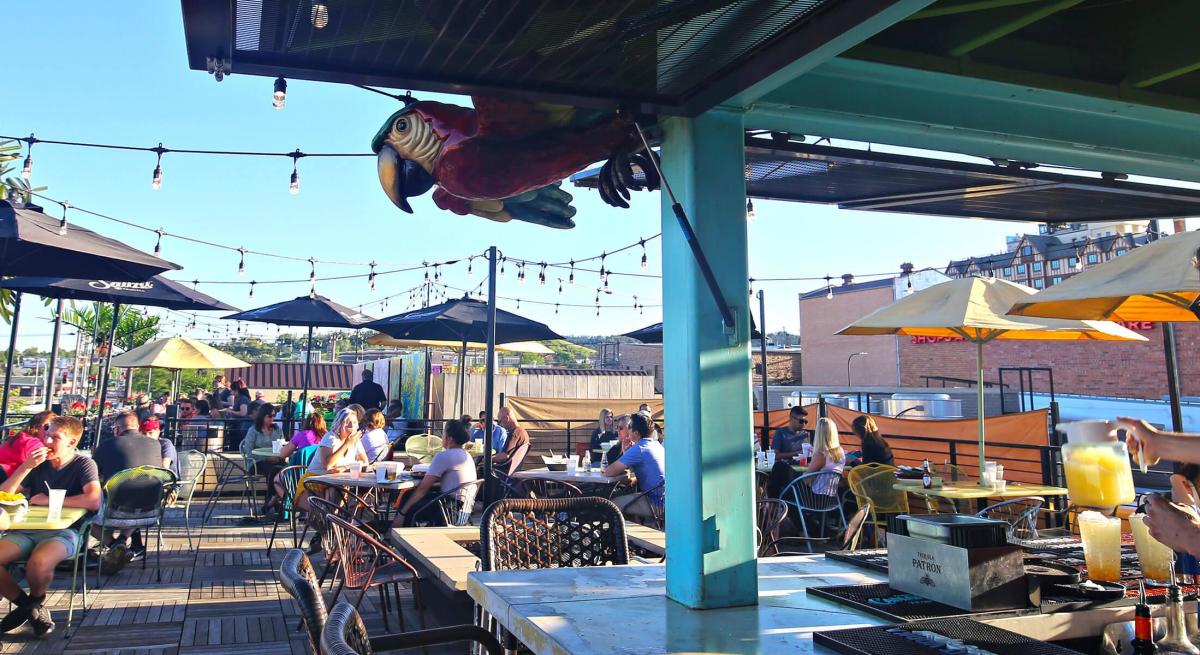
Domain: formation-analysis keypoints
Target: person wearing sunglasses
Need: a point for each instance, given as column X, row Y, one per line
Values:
column 18, row 448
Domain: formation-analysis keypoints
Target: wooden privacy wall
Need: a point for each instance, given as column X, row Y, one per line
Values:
column 549, row 427
column 1002, row 433
column 444, row 388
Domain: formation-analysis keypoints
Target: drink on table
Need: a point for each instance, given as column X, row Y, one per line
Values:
column 1098, row 474
column 1101, row 536
column 1155, row 558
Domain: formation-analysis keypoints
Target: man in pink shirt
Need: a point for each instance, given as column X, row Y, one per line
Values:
column 17, row 449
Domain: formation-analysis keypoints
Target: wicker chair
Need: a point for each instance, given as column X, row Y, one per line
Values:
column 542, row 534
column 345, row 634
column 771, row 514
column 365, row 563
column 1021, row 514
column 289, row 478
column 874, row 489
column 547, row 488
column 192, row 464
column 800, row 496
column 452, row 507
column 299, row 579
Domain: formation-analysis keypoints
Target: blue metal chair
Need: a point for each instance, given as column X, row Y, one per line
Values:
column 800, row 496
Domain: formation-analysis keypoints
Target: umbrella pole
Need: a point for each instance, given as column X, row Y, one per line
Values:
column 50, row 363
column 104, row 370
column 462, row 378
column 8, row 363
column 980, row 409
column 489, row 381
column 307, row 368
column 1173, row 391
column 762, row 319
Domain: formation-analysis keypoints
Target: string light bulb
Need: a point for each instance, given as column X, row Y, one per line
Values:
column 371, row 277
column 27, row 167
column 294, row 186
column 470, row 260
column 241, row 260
column 502, row 260
column 521, row 273
column 312, row 270
column 642, row 242
column 749, row 210
column 319, row 17
column 252, row 283
column 156, row 178
column 542, row 275
column 62, row 222
column 158, row 242
column 828, row 288
column 560, row 286
column 555, row 308
column 571, row 280
column 603, row 273
column 279, row 97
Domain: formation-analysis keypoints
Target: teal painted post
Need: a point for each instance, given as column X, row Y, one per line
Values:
column 710, row 472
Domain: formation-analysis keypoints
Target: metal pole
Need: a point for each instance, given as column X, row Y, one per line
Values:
column 104, row 371
column 1171, row 354
column 307, row 368
column 766, row 406
column 980, row 410
column 462, row 378
column 489, row 381
column 427, row 413
column 8, row 364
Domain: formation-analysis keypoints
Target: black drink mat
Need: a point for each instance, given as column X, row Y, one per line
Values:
column 887, row 603
column 906, row 639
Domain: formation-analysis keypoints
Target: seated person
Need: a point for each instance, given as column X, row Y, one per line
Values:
column 827, row 455
column 452, row 468
column 516, row 446
column 646, row 458
column 624, row 439
column 789, row 441
column 375, row 441
column 314, row 430
column 56, row 465
column 605, row 431
column 499, row 434
column 397, row 427
column 170, row 457
column 127, row 449
column 18, row 448
column 874, row 448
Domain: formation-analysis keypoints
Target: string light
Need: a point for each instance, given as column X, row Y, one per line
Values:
column 642, row 242
column 572, row 279
column 279, row 97
column 502, row 260
column 241, row 261
column 560, row 286
column 752, row 286
column 829, row 288
column 156, row 179
column 603, row 273
column 320, row 14
column 252, row 283
column 294, row 187
column 27, row 168
column 312, row 271
column 542, row 275
column 470, row 260
column 555, row 308
column 521, row 273
column 371, row 277
column 62, row 222
column 749, row 210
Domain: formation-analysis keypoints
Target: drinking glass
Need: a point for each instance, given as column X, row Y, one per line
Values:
column 1154, row 557
column 55, row 505
column 1101, row 536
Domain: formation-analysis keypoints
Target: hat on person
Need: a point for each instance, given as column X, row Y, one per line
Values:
column 258, row 394
column 150, row 424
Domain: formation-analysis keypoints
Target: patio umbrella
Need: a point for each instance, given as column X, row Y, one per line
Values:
column 157, row 291
column 176, row 354
column 464, row 321
column 32, row 243
column 311, row 311
column 975, row 309
column 532, row 347
column 654, row 333
column 1155, row 282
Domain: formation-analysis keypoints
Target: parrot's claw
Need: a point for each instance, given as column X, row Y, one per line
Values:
column 618, row 177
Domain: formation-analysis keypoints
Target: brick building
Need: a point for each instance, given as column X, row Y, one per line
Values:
column 1133, row 369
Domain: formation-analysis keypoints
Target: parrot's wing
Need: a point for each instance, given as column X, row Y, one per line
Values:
column 502, row 116
column 549, row 206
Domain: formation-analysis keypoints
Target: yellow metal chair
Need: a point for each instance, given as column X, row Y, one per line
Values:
column 423, row 447
column 872, row 485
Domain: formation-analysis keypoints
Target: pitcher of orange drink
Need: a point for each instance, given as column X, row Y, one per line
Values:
column 1096, row 465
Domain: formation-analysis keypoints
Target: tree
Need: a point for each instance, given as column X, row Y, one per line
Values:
column 160, row 381
column 134, row 327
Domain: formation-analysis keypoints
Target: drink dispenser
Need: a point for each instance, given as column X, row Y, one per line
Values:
column 1096, row 465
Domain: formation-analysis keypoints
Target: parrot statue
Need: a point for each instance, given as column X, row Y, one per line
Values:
column 505, row 159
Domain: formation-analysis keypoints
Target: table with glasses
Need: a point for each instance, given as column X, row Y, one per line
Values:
column 571, row 611
column 968, row 491
column 580, row 476
column 263, row 453
column 38, row 518
column 367, row 480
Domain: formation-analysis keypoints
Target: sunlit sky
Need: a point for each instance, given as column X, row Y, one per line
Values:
column 117, row 73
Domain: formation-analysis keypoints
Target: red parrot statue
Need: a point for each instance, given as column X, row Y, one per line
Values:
column 506, row 159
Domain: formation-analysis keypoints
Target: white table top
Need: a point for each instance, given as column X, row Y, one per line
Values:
column 581, row 611
column 365, row 480
column 439, row 551
column 587, row 476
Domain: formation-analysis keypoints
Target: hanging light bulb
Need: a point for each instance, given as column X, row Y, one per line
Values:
column 252, row 283
column 560, row 286
column 597, row 310
column 571, row 280
column 320, row 14
column 542, row 275
column 437, row 272
column 603, row 273
column 280, row 95
column 371, row 277
column 643, row 243
column 749, row 210
column 158, row 242
column 294, row 187
column 555, row 308
column 62, row 222
column 502, row 260
column 312, row 270
column 241, row 261
column 470, row 260
column 518, row 303
column 27, row 168
column 829, row 288
column 521, row 273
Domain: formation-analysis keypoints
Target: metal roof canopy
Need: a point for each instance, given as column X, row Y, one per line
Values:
column 875, row 181
column 680, row 58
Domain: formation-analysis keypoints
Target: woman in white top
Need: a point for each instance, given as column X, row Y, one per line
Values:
column 827, row 455
column 375, row 440
column 340, row 447
column 452, row 468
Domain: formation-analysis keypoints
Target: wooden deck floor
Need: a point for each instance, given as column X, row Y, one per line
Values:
column 223, row 598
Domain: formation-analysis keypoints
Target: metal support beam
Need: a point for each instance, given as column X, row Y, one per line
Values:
column 898, row 105
column 1162, row 43
column 982, row 29
column 710, row 483
column 966, row 7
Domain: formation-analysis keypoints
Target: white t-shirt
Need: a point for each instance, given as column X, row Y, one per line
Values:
column 454, row 466
column 332, row 442
column 375, row 443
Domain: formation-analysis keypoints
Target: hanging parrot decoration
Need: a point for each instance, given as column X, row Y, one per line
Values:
column 506, row 159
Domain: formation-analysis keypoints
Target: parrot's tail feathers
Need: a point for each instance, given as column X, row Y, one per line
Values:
column 548, row 205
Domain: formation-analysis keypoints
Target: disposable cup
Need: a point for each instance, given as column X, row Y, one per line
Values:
column 1154, row 557
column 1101, row 537
column 572, row 466
column 770, row 458
column 55, row 505
column 381, row 472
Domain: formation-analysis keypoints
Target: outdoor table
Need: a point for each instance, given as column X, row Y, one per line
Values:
column 366, row 480
column 263, row 453
column 570, row 611
column 37, row 519
column 580, row 476
column 647, row 538
column 973, row 491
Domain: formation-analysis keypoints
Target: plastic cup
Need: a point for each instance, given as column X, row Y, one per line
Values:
column 770, row 458
column 276, row 446
column 55, row 505
column 572, row 466
column 1154, row 557
column 381, row 472
column 1101, row 536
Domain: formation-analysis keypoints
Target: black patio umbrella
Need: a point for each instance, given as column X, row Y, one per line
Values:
column 32, row 243
column 311, row 311
column 155, row 292
column 463, row 320
column 654, row 333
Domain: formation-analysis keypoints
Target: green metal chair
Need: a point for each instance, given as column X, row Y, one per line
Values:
column 192, row 464
column 136, row 498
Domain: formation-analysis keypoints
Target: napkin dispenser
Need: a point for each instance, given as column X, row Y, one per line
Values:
column 956, row 559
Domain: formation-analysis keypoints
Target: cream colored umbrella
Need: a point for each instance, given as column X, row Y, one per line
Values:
column 380, row 339
column 976, row 309
column 176, row 353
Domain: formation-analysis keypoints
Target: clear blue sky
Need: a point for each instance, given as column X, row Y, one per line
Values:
column 117, row 73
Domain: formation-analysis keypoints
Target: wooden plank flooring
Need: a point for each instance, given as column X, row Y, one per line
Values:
column 223, row 598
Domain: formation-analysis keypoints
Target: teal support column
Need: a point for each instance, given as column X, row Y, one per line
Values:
column 710, row 471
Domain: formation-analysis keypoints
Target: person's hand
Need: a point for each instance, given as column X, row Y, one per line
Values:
column 1176, row 526
column 40, row 499
column 35, row 459
column 1144, row 438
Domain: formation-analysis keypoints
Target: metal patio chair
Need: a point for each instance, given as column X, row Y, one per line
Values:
column 800, row 496
column 453, row 507
column 289, row 477
column 192, row 465
column 365, row 562
column 136, row 498
column 770, row 516
column 345, row 634
column 1021, row 514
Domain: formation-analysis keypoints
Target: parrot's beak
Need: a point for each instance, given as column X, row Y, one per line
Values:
column 401, row 179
